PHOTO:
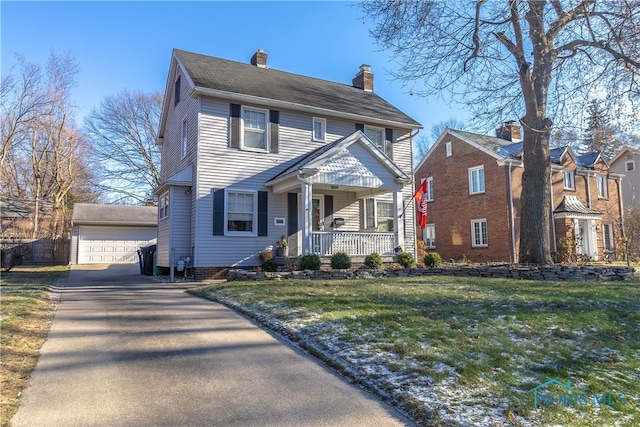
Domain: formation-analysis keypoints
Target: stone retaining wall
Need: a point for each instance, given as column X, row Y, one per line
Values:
column 549, row 272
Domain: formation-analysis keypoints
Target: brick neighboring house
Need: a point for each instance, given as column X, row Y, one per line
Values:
column 475, row 183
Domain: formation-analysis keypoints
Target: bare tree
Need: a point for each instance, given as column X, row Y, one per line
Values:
column 424, row 143
column 123, row 131
column 538, row 60
column 41, row 144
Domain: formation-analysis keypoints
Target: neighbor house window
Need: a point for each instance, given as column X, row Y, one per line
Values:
column 184, row 138
column 569, row 180
column 430, row 189
column 603, row 190
column 241, row 212
column 384, row 216
column 176, row 93
column 429, row 236
column 479, row 236
column 319, row 129
column 476, row 180
column 630, row 166
column 163, row 206
column 255, row 134
column 607, row 236
column 376, row 135
column 448, row 148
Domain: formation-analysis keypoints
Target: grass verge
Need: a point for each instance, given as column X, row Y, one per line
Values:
column 25, row 318
column 466, row 351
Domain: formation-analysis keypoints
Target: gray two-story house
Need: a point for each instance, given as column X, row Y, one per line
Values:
column 251, row 155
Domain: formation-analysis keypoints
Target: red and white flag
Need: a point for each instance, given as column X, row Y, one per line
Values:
column 421, row 204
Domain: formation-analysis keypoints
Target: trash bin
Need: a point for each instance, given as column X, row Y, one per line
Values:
column 147, row 260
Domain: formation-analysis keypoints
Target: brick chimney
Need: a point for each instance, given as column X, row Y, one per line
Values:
column 509, row 131
column 259, row 59
column 364, row 79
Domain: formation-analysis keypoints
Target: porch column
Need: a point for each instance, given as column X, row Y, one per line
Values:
column 398, row 220
column 307, row 191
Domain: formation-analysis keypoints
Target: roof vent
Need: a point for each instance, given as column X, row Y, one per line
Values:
column 259, row 59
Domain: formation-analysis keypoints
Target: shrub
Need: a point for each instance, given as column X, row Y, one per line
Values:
column 265, row 255
column 432, row 259
column 310, row 262
column 406, row 259
column 373, row 261
column 340, row 260
column 269, row 265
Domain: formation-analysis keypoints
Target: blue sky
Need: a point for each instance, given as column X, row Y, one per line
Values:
column 127, row 45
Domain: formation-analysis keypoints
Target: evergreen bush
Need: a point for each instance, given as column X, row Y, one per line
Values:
column 373, row 261
column 432, row 259
column 310, row 262
column 340, row 260
column 406, row 259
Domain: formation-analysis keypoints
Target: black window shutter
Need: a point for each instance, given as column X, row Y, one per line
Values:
column 388, row 137
column 274, row 130
column 218, row 212
column 262, row 213
column 360, row 126
column 234, row 130
column 292, row 213
column 328, row 207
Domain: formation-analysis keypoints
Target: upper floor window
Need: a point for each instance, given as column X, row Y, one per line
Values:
column 241, row 212
column 429, row 236
column 176, row 89
column 569, row 180
column 255, row 134
column 448, row 149
column 476, row 180
column 184, row 138
column 603, row 189
column 376, row 135
column 479, row 236
column 630, row 166
column 163, row 206
column 319, row 129
column 430, row 189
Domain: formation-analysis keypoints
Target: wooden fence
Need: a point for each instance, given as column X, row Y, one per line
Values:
column 39, row 251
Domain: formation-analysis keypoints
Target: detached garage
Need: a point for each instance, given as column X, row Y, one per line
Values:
column 111, row 233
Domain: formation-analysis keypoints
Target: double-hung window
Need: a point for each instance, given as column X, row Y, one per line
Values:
column 430, row 189
column 255, row 131
column 384, row 214
column 241, row 212
column 429, row 236
column 376, row 135
column 569, row 180
column 476, row 180
column 603, row 190
column 319, row 129
column 607, row 236
column 479, row 236
column 163, row 206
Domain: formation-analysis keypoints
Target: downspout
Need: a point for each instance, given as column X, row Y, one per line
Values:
column 588, row 190
column 512, row 217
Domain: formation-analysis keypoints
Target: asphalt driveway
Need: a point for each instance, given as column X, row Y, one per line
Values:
column 125, row 350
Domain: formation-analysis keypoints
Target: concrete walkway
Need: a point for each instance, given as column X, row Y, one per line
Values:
column 125, row 350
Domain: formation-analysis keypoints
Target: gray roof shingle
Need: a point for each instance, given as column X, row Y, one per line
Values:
column 220, row 74
column 88, row 213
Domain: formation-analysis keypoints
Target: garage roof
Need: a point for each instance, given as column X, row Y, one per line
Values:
column 94, row 214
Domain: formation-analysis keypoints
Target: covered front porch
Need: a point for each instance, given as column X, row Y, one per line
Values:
column 346, row 197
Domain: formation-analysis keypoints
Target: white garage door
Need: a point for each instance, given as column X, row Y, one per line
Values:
column 113, row 244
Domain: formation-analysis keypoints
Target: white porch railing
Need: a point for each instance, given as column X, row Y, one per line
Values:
column 327, row 243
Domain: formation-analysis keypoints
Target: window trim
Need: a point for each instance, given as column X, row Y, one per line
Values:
column 471, row 172
column 254, row 221
column 572, row 177
column 245, row 108
column 430, row 189
column 184, row 137
column 323, row 130
column 163, row 206
column 431, row 227
column 631, row 162
column 382, row 131
column 474, row 243
column 448, row 150
column 602, row 184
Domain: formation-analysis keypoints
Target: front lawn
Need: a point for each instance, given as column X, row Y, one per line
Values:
column 466, row 351
column 25, row 313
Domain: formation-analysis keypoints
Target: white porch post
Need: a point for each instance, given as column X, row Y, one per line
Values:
column 307, row 191
column 398, row 221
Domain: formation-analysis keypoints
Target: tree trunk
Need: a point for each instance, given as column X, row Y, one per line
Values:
column 535, row 200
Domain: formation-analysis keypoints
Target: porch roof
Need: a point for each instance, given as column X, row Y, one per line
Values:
column 352, row 163
column 571, row 207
